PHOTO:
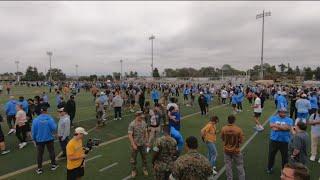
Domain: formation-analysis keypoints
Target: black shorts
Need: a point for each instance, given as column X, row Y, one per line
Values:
column 1, row 135
column 74, row 174
column 256, row 114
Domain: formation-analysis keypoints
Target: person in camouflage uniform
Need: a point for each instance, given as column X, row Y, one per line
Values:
column 137, row 133
column 165, row 153
column 192, row 165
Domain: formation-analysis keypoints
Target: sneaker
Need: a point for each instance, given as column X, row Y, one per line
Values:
column 5, row 152
column 148, row 149
column 214, row 171
column 39, row 171
column 119, row 118
column 313, row 158
column 115, row 119
column 269, row 171
column 54, row 167
column 145, row 172
column 11, row 131
column 133, row 174
column 22, row 145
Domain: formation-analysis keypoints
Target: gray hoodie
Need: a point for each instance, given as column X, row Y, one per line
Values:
column 64, row 127
column 117, row 101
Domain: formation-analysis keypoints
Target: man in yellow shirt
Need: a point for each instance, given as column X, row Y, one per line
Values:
column 208, row 134
column 76, row 155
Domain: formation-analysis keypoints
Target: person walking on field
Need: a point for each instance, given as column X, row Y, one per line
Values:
column 21, row 126
column 298, row 144
column 63, row 130
column 71, row 109
column 43, row 128
column 208, row 134
column 10, row 109
column 232, row 136
column 138, row 136
column 202, row 103
column 257, row 110
column 314, row 121
column 117, row 103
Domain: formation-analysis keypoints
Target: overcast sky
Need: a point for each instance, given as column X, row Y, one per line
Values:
column 96, row 35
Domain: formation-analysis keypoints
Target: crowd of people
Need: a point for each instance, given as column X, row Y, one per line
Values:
column 157, row 126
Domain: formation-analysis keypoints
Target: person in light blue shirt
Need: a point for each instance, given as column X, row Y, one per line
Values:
column 58, row 98
column 234, row 102
column 313, row 102
column 303, row 106
column 10, row 110
column 45, row 97
column 155, row 95
column 280, row 136
column 282, row 102
column 240, row 98
column 24, row 103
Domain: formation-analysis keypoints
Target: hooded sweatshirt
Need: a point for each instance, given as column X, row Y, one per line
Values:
column 43, row 128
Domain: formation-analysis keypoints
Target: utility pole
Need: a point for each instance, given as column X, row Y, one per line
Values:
column 77, row 66
column 152, row 37
column 18, row 76
column 49, row 53
column 258, row 16
column 121, row 61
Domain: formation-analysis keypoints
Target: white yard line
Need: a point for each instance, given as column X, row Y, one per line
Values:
column 221, row 171
column 94, row 157
column 108, row 167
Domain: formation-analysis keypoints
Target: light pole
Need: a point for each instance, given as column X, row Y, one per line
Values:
column 152, row 37
column 49, row 53
column 17, row 63
column 258, row 16
column 121, row 61
column 77, row 66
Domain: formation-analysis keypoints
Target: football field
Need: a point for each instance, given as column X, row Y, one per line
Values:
column 110, row 160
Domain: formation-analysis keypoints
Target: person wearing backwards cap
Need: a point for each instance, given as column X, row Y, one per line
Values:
column 76, row 155
column 280, row 126
column 43, row 128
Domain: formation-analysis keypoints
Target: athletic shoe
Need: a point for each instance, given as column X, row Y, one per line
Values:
column 54, row 167
column 313, row 158
column 11, row 131
column 5, row 152
column 260, row 128
column 269, row 171
column 133, row 174
column 120, row 119
column 148, row 149
column 145, row 172
column 214, row 171
column 22, row 145
column 115, row 119
column 39, row 171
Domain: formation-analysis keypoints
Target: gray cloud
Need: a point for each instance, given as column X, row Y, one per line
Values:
column 96, row 35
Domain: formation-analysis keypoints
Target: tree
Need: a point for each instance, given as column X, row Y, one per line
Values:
column 317, row 73
column 282, row 67
column 31, row 74
column 116, row 75
column 155, row 73
column 297, row 71
column 56, row 74
column 308, row 74
column 93, row 77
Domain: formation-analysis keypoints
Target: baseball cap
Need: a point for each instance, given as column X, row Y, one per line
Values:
column 102, row 93
column 80, row 130
column 61, row 109
column 139, row 113
column 201, row 92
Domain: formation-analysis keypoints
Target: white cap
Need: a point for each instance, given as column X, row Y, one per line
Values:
column 201, row 92
column 80, row 130
column 101, row 93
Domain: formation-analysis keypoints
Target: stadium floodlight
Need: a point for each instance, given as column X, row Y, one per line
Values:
column 17, row 64
column 121, row 61
column 49, row 53
column 77, row 66
column 152, row 37
column 258, row 16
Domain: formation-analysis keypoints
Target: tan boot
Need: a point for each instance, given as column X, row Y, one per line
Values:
column 133, row 174
column 145, row 172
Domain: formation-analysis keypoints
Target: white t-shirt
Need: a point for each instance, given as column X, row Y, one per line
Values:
column 257, row 103
column 224, row 94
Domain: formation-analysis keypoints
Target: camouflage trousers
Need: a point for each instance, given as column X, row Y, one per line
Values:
column 133, row 159
column 161, row 175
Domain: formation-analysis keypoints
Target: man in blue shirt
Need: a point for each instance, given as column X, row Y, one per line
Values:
column 282, row 101
column 43, row 129
column 314, row 102
column 303, row 106
column 280, row 126
column 155, row 95
column 10, row 109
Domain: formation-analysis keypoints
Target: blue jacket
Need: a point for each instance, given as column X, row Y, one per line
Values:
column 282, row 102
column 25, row 105
column 240, row 97
column 314, row 102
column 186, row 91
column 10, row 108
column 155, row 94
column 43, row 128
column 234, row 99
column 303, row 105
